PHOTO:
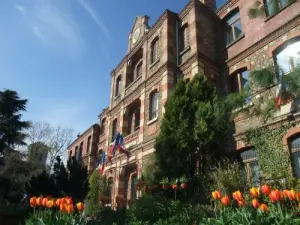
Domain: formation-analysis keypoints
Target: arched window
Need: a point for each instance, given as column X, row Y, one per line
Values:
column 183, row 37
column 294, row 146
column 239, row 80
column 102, row 128
column 110, row 184
column 114, row 129
column 154, row 50
column 133, row 187
column 88, row 147
column 287, row 57
column 252, row 171
column 233, row 27
column 118, row 86
column 153, row 107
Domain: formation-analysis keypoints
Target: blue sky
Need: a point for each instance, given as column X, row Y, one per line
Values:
column 58, row 54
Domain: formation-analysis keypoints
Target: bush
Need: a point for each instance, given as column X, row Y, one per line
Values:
column 226, row 177
column 107, row 216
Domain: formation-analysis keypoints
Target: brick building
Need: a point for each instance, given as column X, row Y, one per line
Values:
column 85, row 149
column 223, row 44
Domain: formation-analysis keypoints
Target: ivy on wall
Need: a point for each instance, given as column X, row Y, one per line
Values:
column 273, row 160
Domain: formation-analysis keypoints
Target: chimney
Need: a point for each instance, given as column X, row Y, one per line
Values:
column 210, row 3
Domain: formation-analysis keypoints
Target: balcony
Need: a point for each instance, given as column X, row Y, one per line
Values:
column 132, row 138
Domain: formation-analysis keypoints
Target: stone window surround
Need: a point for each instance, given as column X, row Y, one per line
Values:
column 155, row 41
column 103, row 122
column 154, row 90
column 118, row 81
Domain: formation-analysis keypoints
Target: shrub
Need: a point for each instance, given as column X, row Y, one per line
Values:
column 107, row 216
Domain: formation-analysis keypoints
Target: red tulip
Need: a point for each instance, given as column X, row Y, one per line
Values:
column 63, row 207
column 57, row 203
column 69, row 201
column 265, row 189
column 264, row 208
column 298, row 196
column 255, row 203
column 242, row 203
column 44, row 202
column 39, row 201
column 33, row 201
column 175, row 186
column 70, row 208
column 184, row 186
column 216, row 195
column 275, row 196
column 225, row 200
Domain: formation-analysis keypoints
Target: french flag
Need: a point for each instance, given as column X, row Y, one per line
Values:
column 102, row 163
column 118, row 144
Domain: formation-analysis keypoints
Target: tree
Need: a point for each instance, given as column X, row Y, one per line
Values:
column 78, row 184
column 194, row 127
column 97, row 184
column 11, row 125
column 60, row 177
column 56, row 138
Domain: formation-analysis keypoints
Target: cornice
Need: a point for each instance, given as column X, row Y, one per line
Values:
column 224, row 9
column 83, row 134
column 263, row 42
column 187, row 9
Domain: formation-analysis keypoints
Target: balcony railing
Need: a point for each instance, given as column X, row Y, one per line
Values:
column 132, row 137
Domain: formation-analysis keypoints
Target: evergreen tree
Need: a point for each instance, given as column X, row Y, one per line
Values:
column 78, row 184
column 97, row 184
column 59, row 177
column 194, row 126
column 11, row 125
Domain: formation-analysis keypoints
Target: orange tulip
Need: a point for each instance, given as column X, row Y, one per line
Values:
column 50, row 204
column 39, row 201
column 265, row 189
column 57, row 203
column 69, row 201
column 237, row 195
column 254, row 192
column 298, row 196
column 264, row 208
column 44, row 202
column 275, row 196
column 285, row 193
column 216, row 195
column 80, row 206
column 63, row 207
column 63, row 200
column 33, row 202
column 70, row 208
column 255, row 203
column 291, row 195
column 242, row 203
column 225, row 200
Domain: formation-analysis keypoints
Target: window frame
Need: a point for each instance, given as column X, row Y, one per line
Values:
column 154, row 46
column 279, row 9
column 247, row 164
column 118, row 86
column 138, row 70
column 114, row 129
column 292, row 152
column 88, row 146
column 184, row 38
column 231, row 26
column 153, row 113
column 102, row 128
column 239, row 75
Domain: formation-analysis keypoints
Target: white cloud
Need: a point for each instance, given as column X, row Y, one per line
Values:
column 21, row 9
column 37, row 31
column 89, row 9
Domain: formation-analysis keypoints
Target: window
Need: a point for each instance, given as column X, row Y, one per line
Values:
column 288, row 56
column 153, row 108
column 294, row 146
column 110, row 184
column 273, row 6
column 88, row 144
column 80, row 151
column 99, row 157
column 239, row 81
column 133, row 187
column 76, row 153
column 138, row 70
column 233, row 28
column 114, row 129
column 137, row 119
column 252, row 170
column 70, row 155
column 102, row 128
column 154, row 50
column 183, row 37
column 118, row 86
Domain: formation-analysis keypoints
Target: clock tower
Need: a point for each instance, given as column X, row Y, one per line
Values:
column 139, row 28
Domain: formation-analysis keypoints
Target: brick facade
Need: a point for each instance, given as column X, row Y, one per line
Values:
column 204, row 51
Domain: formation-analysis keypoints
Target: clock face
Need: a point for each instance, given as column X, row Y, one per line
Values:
column 136, row 35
